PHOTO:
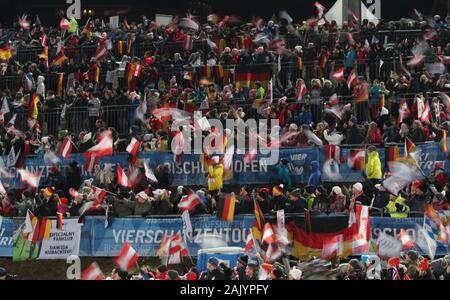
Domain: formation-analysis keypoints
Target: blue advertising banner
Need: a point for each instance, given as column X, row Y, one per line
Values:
column 190, row 171
column 208, row 232
column 6, row 237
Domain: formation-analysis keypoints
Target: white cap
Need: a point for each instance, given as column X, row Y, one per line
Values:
column 158, row 192
column 142, row 195
column 337, row 190
column 358, row 186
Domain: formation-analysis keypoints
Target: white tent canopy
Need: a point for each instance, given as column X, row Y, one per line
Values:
column 336, row 13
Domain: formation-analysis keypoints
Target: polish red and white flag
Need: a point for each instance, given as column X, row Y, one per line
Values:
column 127, row 258
column 133, row 147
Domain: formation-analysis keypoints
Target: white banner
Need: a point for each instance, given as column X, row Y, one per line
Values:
column 187, row 226
column 62, row 243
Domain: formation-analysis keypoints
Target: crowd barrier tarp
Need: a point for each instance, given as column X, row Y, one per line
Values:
column 260, row 171
column 208, row 232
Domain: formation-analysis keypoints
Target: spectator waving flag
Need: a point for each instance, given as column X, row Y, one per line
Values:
column 64, row 24
column 92, row 272
column 104, row 148
column 32, row 179
column 405, row 238
column 250, row 242
column 257, row 228
column 190, row 201
column 66, row 147
column 188, row 43
column 127, row 258
column 268, row 234
column 226, row 208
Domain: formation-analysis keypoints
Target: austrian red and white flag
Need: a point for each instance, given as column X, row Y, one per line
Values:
column 189, row 202
column 333, row 246
column 423, row 110
column 104, row 148
column 334, row 100
column 127, row 258
column 177, row 245
column 403, row 111
column 66, row 147
column 405, row 238
column 250, row 156
column 122, row 178
column 99, row 194
column 188, row 42
column 333, row 152
column 359, row 244
column 64, row 24
column 249, row 242
column 356, row 158
column 92, row 272
column 301, row 91
column 351, row 79
column 133, row 147
column 90, row 163
column 32, row 179
column 149, row 173
column 268, row 234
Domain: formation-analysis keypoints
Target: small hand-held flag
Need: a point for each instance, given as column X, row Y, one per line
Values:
column 127, row 257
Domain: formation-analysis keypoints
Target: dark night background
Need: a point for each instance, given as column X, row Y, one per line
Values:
column 48, row 9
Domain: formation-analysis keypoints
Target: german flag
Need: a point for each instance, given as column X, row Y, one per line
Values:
column 259, row 222
column 444, row 141
column 120, row 47
column 6, row 53
column 129, row 45
column 226, row 208
column 59, row 219
column 95, row 74
column 33, row 108
column 44, row 230
column 206, row 71
column 218, row 70
column 220, row 45
column 307, row 243
column 300, row 63
column 246, row 76
column 35, row 223
column 409, row 147
column 392, row 154
column 59, row 83
column 131, row 79
column 59, row 59
column 85, row 76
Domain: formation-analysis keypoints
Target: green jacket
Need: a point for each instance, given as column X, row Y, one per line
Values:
column 310, row 200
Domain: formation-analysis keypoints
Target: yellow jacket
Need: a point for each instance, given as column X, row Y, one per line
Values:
column 373, row 167
column 392, row 209
column 215, row 178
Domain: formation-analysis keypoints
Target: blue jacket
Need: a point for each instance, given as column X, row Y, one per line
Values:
column 284, row 175
column 305, row 118
column 316, row 176
column 350, row 57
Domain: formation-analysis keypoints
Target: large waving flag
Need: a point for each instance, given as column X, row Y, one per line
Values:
column 104, row 148
column 127, row 257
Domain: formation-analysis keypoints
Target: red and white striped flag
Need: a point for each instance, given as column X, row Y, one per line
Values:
column 333, row 246
column 359, row 244
column 249, row 242
column 188, row 43
column 101, row 53
column 351, row 79
column 423, row 110
column 339, row 74
column 149, row 173
column 66, row 147
column 64, row 24
column 133, row 147
column 405, row 238
column 99, row 194
column 189, row 202
column 90, row 163
column 333, row 152
column 104, row 148
column 403, row 111
column 268, row 234
column 122, row 178
column 177, row 245
column 356, row 159
column 92, row 272
column 32, row 179
column 334, row 100
column 127, row 257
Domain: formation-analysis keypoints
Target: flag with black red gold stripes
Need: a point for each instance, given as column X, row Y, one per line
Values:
column 226, row 208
